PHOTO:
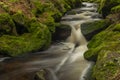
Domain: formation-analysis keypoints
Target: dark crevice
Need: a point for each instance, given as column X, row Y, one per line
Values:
column 21, row 29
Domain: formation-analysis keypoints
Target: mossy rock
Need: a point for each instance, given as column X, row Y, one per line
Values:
column 48, row 20
column 40, row 8
column 92, row 53
column 107, row 65
column 7, row 25
column 45, row 74
column 74, row 3
column 104, row 48
column 21, row 22
column 61, row 5
column 117, row 27
column 14, row 46
column 39, row 38
column 116, row 9
column 106, row 6
column 89, row 29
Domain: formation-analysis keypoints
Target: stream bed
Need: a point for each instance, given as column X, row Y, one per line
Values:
column 65, row 60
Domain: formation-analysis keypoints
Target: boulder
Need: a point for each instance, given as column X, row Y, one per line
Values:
column 62, row 32
column 89, row 29
column 45, row 74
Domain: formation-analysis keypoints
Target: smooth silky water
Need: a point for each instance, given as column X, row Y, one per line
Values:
column 65, row 60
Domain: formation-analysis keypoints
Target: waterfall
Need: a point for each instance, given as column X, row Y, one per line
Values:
column 76, row 36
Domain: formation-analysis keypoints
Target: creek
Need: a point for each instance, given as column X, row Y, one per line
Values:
column 65, row 60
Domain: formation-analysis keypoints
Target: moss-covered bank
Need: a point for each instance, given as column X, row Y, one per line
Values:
column 26, row 25
column 104, row 48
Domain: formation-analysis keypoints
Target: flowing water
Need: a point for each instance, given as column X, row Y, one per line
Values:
column 65, row 60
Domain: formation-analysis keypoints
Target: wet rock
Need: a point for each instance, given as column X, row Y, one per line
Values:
column 97, row 16
column 71, row 13
column 40, row 75
column 89, row 29
column 62, row 32
column 45, row 74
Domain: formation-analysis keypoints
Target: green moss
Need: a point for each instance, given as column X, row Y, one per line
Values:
column 7, row 25
column 117, row 27
column 19, row 17
column 57, row 16
column 35, row 38
column 50, row 23
column 20, row 22
column 61, row 5
column 106, row 6
column 13, row 46
column 116, row 9
column 107, row 65
column 49, row 12
column 33, row 31
column 104, row 48
column 43, row 7
column 4, row 6
column 40, row 38
column 92, row 53
column 94, row 26
column 38, row 8
column 48, row 20
column 40, row 31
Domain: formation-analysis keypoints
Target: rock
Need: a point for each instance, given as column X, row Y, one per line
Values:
column 71, row 13
column 104, row 49
column 89, row 29
column 62, row 32
column 40, row 75
column 106, row 6
column 7, row 25
column 45, row 74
